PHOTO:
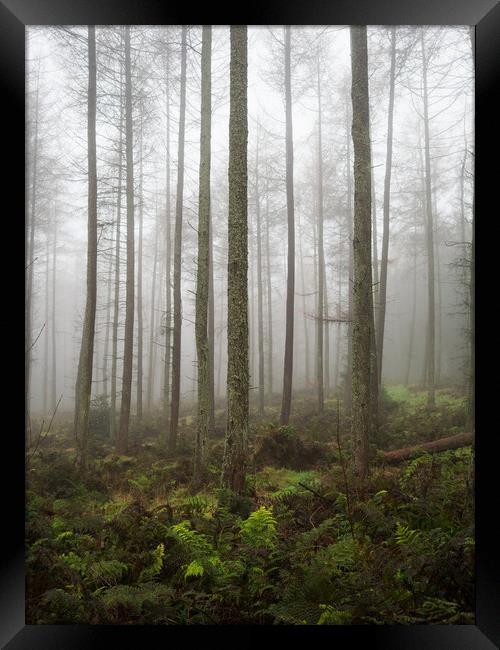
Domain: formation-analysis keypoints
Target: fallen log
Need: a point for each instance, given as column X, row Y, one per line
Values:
column 443, row 444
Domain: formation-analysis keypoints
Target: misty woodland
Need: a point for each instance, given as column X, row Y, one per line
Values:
column 249, row 325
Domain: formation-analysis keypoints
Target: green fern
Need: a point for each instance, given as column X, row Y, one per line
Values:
column 259, row 530
column 194, row 543
column 156, row 565
column 332, row 616
column 405, row 535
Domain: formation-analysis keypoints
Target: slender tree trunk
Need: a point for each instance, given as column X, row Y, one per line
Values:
column 122, row 440
column 233, row 470
column 168, row 257
column 326, row 325
column 321, row 259
column 105, row 360
column 152, row 321
column 203, row 266
column 219, row 364
column 53, row 346
column 413, row 307
column 211, row 329
column 251, row 312
column 176, row 351
column 304, row 308
column 362, row 281
column 47, row 327
column 439, row 338
column 290, row 286
column 269, row 306
column 376, row 279
column 260, row 319
column 430, row 240
column 116, row 300
column 387, row 206
column 140, row 320
column 350, row 279
column 338, row 337
column 84, row 375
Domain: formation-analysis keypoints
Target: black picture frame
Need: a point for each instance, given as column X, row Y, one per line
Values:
column 485, row 15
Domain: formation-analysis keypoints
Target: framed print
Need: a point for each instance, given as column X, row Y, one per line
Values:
column 256, row 329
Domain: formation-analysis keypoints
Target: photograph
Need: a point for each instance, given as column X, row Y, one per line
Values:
column 250, row 325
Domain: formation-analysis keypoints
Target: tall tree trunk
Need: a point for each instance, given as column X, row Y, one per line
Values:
column 439, row 338
column 203, row 266
column 304, row 308
column 430, row 240
column 362, row 281
column 176, row 351
column 413, row 306
column 47, row 326
column 122, row 440
column 140, row 319
column 211, row 328
column 53, row 319
column 105, row 360
column 116, row 299
column 387, row 206
column 376, row 279
column 321, row 257
column 168, row 258
column 251, row 309
column 350, row 273
column 152, row 324
column 326, row 325
column 269, row 305
column 260, row 319
column 290, row 285
column 338, row 337
column 84, row 375
column 233, row 470
column 219, row 364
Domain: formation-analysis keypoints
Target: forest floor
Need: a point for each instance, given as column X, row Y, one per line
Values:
column 130, row 541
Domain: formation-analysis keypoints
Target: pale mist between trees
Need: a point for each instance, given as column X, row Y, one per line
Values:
column 224, row 219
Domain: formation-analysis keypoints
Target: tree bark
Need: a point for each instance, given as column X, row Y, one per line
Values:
column 290, row 286
column 168, row 257
column 430, row 241
column 269, row 305
column 47, row 326
column 116, row 300
column 321, row 259
column 304, row 307
column 233, row 471
column 152, row 324
column 387, row 206
column 350, row 274
column 203, row 266
column 84, row 375
column 176, row 351
column 122, row 440
column 53, row 345
column 362, row 282
column 260, row 319
column 140, row 319
column 443, row 444
column 211, row 329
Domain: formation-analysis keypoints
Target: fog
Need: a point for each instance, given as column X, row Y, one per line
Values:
column 57, row 185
